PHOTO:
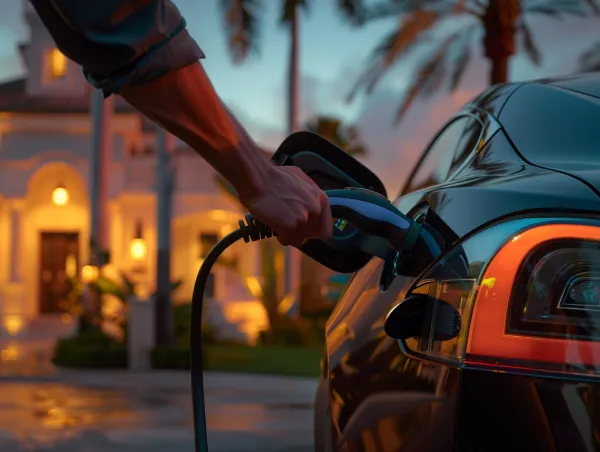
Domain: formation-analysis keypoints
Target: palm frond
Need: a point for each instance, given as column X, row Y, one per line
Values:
column 353, row 11
column 289, row 7
column 394, row 8
column 355, row 146
column 428, row 75
column 529, row 45
column 242, row 26
column 346, row 137
column 407, row 36
column 557, row 9
column 463, row 57
column 594, row 7
column 590, row 60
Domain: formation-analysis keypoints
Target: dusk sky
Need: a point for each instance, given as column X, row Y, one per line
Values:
column 331, row 56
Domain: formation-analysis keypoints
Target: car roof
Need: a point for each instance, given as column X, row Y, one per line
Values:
column 554, row 122
column 588, row 84
column 494, row 98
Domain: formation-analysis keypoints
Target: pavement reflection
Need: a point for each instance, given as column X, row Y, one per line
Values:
column 97, row 412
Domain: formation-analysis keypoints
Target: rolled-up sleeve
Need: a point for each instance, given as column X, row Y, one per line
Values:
column 120, row 42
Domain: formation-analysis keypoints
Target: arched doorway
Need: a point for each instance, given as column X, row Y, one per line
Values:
column 54, row 234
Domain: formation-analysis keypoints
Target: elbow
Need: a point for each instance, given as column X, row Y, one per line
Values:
column 106, row 36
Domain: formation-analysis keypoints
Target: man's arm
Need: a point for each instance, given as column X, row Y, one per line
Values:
column 185, row 103
column 141, row 50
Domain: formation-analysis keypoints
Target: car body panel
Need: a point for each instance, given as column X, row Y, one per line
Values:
column 379, row 399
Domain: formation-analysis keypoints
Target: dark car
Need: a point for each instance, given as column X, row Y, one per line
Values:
column 511, row 188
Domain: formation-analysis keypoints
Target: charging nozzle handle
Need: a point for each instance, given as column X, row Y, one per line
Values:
column 370, row 213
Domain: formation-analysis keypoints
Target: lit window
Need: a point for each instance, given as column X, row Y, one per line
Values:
column 58, row 63
column 206, row 242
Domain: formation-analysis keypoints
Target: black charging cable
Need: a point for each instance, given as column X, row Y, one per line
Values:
column 249, row 230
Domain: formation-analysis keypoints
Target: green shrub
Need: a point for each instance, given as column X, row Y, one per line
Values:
column 244, row 359
column 293, row 332
column 92, row 349
column 176, row 359
column 182, row 315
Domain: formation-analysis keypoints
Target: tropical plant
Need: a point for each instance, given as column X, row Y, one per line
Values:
column 458, row 22
column 104, row 285
column 344, row 136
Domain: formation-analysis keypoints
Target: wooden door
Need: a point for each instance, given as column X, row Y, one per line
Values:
column 59, row 263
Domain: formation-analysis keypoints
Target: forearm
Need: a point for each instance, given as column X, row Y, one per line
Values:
column 185, row 103
column 141, row 49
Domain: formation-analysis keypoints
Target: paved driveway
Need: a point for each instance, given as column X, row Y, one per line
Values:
column 127, row 412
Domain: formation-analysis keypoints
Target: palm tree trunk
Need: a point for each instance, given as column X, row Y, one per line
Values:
column 164, row 185
column 500, row 24
column 101, row 112
column 268, row 250
column 294, row 74
column 292, row 255
column 499, row 70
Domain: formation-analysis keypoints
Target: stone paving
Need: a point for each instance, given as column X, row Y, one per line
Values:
column 101, row 411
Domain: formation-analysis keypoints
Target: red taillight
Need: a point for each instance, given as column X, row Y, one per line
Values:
column 551, row 337
column 527, row 293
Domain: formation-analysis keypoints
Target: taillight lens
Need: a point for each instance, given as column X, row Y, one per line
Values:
column 528, row 295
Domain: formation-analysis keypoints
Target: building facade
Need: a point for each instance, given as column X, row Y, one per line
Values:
column 45, row 152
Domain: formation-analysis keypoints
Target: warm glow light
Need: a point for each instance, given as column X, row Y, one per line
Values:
column 286, row 304
column 10, row 353
column 71, row 266
column 254, row 286
column 89, row 274
column 58, row 63
column 249, row 316
column 138, row 249
column 13, row 324
column 60, row 196
column 227, row 229
column 219, row 215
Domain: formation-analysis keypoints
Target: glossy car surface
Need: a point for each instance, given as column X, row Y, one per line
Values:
column 517, row 151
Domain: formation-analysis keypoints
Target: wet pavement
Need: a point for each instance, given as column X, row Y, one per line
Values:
column 123, row 411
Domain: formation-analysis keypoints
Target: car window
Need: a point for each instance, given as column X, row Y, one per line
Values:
column 445, row 155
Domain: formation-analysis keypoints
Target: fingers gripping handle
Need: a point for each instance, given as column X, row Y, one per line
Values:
column 370, row 213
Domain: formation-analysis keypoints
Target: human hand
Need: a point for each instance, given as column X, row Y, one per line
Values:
column 291, row 204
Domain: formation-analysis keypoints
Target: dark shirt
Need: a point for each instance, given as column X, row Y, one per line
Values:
column 120, row 42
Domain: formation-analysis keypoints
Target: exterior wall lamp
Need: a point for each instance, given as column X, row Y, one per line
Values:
column 60, row 196
column 138, row 249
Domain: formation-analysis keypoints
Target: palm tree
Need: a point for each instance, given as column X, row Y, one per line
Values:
column 590, row 60
column 501, row 21
column 242, row 25
column 313, row 275
column 163, row 319
column 100, row 112
column 344, row 136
